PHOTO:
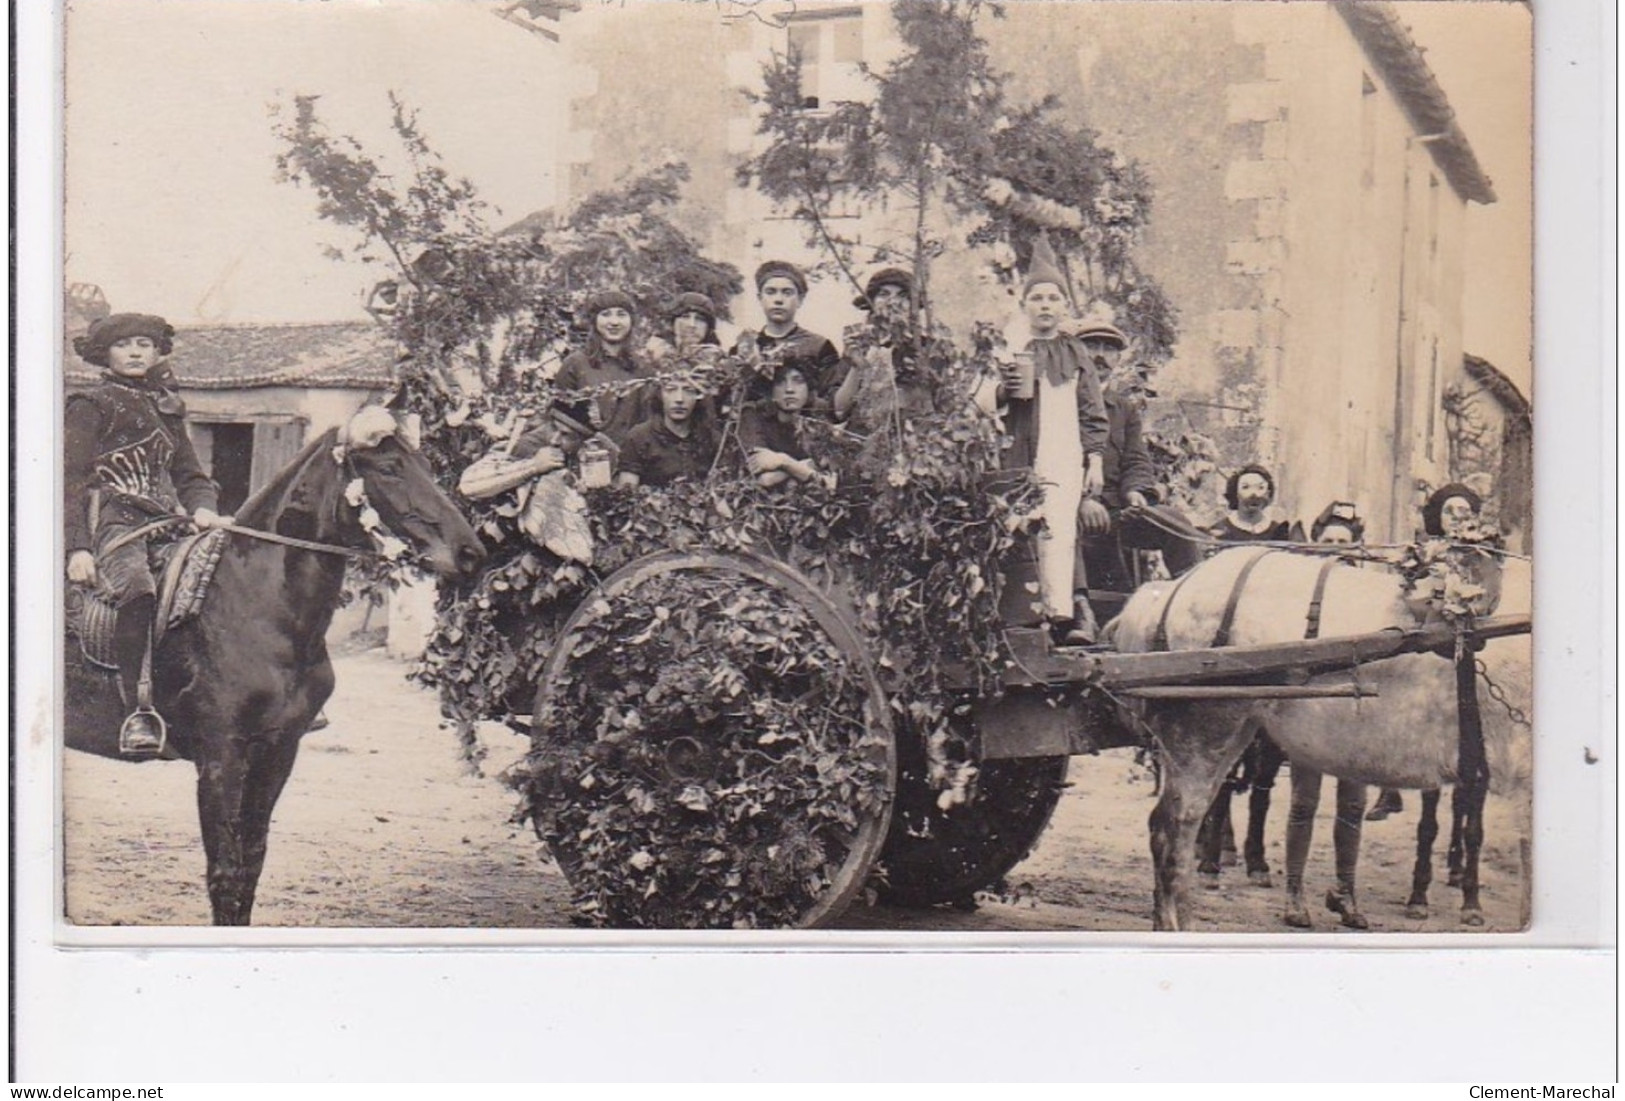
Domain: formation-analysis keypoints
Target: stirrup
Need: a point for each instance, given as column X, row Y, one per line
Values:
column 136, row 736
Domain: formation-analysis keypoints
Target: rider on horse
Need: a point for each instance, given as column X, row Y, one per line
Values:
column 128, row 458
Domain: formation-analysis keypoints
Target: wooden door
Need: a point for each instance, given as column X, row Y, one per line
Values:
column 276, row 442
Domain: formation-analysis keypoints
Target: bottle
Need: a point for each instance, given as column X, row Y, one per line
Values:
column 594, row 464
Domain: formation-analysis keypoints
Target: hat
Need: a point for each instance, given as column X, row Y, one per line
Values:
column 103, row 334
column 1045, row 268
column 692, row 302
column 574, row 416
column 1097, row 323
column 1233, row 484
column 781, row 269
column 1338, row 514
column 885, row 277
column 1432, row 512
column 599, row 301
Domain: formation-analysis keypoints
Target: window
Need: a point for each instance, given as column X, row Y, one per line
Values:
column 830, row 45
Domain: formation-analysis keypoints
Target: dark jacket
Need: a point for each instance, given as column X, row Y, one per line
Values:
column 1128, row 465
column 118, row 442
column 619, row 412
column 817, row 357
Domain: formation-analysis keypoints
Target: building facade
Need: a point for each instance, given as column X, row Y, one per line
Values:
column 1311, row 191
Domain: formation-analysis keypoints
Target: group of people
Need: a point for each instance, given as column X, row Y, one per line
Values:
column 648, row 416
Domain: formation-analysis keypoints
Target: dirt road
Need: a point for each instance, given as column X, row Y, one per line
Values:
column 381, row 825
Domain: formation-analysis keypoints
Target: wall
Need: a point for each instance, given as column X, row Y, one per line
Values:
column 1316, row 268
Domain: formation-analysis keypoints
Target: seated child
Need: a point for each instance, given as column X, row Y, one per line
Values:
column 676, row 444
column 773, row 448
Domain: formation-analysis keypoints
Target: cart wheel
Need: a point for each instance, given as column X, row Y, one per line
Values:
column 935, row 856
column 711, row 749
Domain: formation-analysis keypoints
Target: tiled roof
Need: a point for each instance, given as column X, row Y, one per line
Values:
column 1391, row 48
column 334, row 354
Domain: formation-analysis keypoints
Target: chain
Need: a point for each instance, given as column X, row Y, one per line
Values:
column 1498, row 694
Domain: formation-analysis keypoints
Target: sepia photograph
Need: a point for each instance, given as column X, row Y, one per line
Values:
column 940, row 540
column 931, row 466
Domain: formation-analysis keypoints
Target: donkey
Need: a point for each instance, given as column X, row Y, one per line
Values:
column 1407, row 737
column 240, row 682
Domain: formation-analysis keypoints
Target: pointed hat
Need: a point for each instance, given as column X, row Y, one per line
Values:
column 1045, row 268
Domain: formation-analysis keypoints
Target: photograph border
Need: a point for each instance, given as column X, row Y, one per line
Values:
column 71, row 981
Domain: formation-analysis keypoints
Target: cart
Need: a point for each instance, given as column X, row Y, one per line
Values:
column 800, row 835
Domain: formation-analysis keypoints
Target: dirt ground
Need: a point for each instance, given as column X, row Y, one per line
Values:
column 381, row 825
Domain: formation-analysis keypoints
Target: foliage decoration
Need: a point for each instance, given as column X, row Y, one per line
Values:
column 709, row 709
column 943, row 140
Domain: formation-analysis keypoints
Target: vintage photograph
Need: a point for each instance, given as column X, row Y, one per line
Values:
column 941, row 465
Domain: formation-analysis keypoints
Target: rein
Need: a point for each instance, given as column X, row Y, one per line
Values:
column 253, row 533
column 302, row 544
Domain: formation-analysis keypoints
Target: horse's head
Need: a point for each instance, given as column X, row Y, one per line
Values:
column 399, row 485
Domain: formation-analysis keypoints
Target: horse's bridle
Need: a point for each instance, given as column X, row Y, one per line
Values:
column 151, row 526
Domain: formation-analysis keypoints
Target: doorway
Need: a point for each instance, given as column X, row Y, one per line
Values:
column 231, row 462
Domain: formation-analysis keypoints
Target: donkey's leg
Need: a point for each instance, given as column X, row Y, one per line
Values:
column 1194, row 764
column 1267, row 766
column 1300, row 832
column 222, row 774
column 1427, row 832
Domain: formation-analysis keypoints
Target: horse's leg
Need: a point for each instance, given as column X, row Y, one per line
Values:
column 1267, row 767
column 1427, row 832
column 222, row 779
column 1346, row 847
column 1300, row 832
column 266, row 779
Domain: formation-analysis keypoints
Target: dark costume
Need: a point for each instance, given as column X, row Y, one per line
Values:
column 659, row 456
column 816, row 356
column 127, row 460
column 619, row 412
column 1128, row 469
column 761, row 427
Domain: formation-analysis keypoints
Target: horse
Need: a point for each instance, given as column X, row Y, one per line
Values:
column 240, row 682
column 1407, row 737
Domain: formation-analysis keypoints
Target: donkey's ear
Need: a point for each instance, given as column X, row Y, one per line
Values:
column 368, row 428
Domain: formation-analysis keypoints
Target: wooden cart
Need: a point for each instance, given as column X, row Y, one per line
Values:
column 1054, row 704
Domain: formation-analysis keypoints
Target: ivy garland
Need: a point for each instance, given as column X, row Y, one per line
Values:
column 705, row 760
column 913, row 540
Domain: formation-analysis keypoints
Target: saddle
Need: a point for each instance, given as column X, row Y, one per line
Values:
column 184, row 568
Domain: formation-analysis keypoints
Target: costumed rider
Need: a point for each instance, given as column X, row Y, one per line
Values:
column 1057, row 418
column 618, row 385
column 127, row 461
column 1128, row 514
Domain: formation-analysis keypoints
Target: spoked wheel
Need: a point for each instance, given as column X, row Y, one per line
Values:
column 935, row 856
column 711, row 749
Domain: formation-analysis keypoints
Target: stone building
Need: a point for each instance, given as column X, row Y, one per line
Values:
column 1311, row 189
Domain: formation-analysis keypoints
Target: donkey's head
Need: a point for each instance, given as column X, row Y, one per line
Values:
column 397, row 483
